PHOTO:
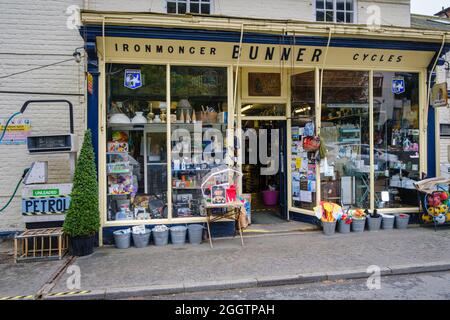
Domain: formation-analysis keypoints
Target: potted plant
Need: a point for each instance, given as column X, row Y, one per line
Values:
column 374, row 221
column 359, row 220
column 83, row 219
column 345, row 222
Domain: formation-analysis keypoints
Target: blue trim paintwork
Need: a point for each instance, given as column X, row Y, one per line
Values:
column 431, row 143
column 93, row 31
column 92, row 106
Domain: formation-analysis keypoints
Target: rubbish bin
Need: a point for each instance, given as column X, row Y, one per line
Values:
column 195, row 232
column 122, row 238
column 178, row 235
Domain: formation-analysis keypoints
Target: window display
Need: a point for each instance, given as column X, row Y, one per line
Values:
column 136, row 156
column 198, row 132
column 345, row 170
column 303, row 162
column 396, row 135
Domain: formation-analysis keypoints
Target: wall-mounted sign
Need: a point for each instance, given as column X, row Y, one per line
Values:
column 132, row 79
column 17, row 132
column 257, row 54
column 398, row 86
column 46, row 199
column 439, row 95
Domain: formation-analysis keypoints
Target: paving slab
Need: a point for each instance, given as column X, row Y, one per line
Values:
column 24, row 278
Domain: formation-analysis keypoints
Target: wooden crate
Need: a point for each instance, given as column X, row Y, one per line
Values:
column 40, row 244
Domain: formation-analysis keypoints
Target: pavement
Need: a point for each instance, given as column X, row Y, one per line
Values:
column 264, row 261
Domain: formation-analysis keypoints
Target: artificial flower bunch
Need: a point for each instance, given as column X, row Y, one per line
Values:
column 357, row 214
column 347, row 218
column 328, row 211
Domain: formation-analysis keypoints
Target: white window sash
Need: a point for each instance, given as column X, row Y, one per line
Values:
column 335, row 12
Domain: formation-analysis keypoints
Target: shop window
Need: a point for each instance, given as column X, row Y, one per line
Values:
column 341, row 11
column 198, row 132
column 263, row 110
column 396, row 135
column 136, row 152
column 303, row 163
column 345, row 169
column 189, row 6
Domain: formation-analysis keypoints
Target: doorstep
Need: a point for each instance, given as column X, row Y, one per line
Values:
column 280, row 228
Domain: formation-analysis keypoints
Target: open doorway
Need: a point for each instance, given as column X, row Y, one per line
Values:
column 264, row 178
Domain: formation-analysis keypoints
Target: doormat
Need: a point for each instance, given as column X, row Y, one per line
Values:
column 266, row 217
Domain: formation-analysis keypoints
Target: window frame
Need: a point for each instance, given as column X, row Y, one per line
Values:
column 335, row 11
column 188, row 6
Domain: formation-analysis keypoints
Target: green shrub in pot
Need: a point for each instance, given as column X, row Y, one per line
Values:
column 83, row 218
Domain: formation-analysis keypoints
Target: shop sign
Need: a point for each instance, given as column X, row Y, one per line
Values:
column 439, row 95
column 46, row 199
column 133, row 79
column 50, row 205
column 398, row 86
column 17, row 132
column 254, row 54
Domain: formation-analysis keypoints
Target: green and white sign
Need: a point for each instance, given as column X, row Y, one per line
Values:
column 46, row 193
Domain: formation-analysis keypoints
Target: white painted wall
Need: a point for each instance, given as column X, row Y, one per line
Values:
column 393, row 12
column 34, row 33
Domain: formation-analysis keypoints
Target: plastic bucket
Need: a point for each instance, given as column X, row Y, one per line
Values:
column 374, row 224
column 141, row 240
column 161, row 238
column 178, row 235
column 358, row 225
column 329, row 228
column 388, row 222
column 401, row 221
column 121, row 240
column 195, row 232
column 270, row 198
column 343, row 227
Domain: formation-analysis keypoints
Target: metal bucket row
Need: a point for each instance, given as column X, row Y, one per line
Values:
column 122, row 239
column 386, row 222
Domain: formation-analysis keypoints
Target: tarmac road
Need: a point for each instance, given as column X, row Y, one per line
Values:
column 428, row 286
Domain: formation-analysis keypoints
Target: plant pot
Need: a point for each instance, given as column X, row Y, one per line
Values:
column 374, row 224
column 161, row 238
column 178, row 235
column 329, row 228
column 358, row 225
column 344, row 227
column 401, row 221
column 122, row 240
column 387, row 222
column 195, row 232
column 270, row 198
column 81, row 246
column 142, row 240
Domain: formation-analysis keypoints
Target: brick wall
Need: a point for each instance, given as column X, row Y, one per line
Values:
column 34, row 33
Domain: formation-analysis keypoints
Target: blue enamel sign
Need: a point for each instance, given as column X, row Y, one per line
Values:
column 398, row 86
column 133, row 79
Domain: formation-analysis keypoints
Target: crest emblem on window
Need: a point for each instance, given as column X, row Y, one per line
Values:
column 132, row 79
column 398, row 86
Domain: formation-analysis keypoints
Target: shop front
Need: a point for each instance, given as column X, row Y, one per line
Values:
column 170, row 103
